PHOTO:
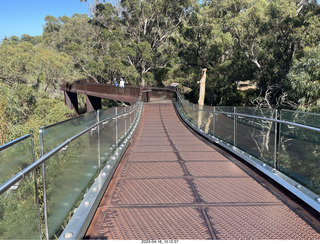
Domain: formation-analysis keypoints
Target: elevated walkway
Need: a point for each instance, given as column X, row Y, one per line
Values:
column 172, row 184
column 161, row 171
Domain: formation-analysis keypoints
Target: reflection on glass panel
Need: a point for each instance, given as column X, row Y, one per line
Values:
column 15, row 158
column 18, row 212
column 299, row 149
column 107, row 140
column 106, row 113
column 56, row 134
column 121, row 127
column 68, row 175
column 260, row 112
column 256, row 137
column 206, row 121
column 224, row 124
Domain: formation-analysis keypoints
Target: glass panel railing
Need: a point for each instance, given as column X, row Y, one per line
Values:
column 56, row 134
column 189, row 111
column 74, row 152
column 18, row 204
column 260, row 112
column 68, row 175
column 299, row 149
column 256, row 136
column 106, row 113
column 18, row 211
column 107, row 140
column 205, row 120
column 71, row 171
column 224, row 124
column 289, row 144
column 15, row 157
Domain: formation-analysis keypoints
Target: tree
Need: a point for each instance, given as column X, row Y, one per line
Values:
column 266, row 32
column 16, row 62
column 148, row 25
column 111, row 44
column 75, row 37
column 4, row 122
column 304, row 78
column 51, row 68
column 205, row 41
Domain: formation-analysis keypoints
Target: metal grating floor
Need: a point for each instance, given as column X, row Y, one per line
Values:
column 172, row 185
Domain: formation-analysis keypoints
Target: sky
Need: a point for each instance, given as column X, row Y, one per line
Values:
column 18, row 17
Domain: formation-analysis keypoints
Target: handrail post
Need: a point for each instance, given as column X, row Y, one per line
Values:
column 45, row 207
column 276, row 136
column 116, row 110
column 214, row 121
column 36, row 186
column 125, row 120
column 130, row 114
column 99, row 143
column 234, row 126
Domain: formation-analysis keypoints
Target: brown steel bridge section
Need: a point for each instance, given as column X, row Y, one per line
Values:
column 94, row 92
column 172, row 184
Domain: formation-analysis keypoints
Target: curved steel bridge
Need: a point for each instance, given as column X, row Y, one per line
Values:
column 161, row 168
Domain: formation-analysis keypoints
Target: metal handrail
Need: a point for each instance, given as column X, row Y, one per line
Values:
column 5, row 186
column 20, row 175
column 261, row 118
column 10, row 144
column 272, row 171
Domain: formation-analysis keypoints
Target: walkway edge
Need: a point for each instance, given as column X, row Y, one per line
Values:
column 80, row 221
column 307, row 196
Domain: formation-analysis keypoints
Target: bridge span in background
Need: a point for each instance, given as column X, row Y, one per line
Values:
column 95, row 92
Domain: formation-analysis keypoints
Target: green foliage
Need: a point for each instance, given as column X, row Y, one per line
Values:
column 24, row 111
column 158, row 42
column 20, row 214
column 304, row 78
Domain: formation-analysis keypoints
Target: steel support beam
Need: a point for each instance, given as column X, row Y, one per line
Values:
column 93, row 103
column 71, row 100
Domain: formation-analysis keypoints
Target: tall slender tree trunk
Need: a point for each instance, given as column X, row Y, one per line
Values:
column 202, row 94
column 143, row 71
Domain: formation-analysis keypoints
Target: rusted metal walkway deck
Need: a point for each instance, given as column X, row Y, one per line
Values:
column 171, row 184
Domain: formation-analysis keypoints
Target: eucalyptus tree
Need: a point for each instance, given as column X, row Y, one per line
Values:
column 270, row 34
column 304, row 78
column 111, row 43
column 148, row 25
column 75, row 37
column 205, row 41
column 16, row 62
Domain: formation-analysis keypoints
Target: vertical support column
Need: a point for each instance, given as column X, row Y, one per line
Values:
column 45, row 208
column 71, row 100
column 93, row 103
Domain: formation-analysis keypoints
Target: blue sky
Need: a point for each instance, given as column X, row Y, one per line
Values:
column 19, row 17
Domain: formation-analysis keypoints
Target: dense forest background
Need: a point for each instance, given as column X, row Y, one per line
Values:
column 257, row 52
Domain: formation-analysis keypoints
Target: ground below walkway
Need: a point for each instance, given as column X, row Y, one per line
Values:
column 173, row 185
